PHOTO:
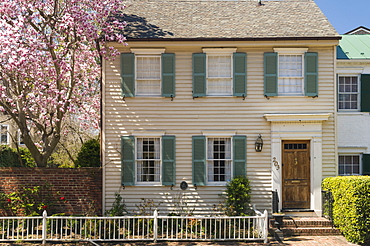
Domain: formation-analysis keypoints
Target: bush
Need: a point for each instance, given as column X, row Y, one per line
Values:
column 30, row 201
column 9, row 157
column 238, row 197
column 89, row 155
column 351, row 207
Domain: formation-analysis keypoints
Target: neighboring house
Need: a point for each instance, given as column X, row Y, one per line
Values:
column 9, row 133
column 353, row 119
column 361, row 30
column 197, row 85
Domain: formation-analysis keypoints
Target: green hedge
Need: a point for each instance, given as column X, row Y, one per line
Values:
column 89, row 155
column 351, row 207
column 10, row 157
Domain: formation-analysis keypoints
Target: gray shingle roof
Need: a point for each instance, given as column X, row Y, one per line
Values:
column 214, row 19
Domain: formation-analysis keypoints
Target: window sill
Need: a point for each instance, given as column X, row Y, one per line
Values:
column 216, row 184
column 156, row 184
column 351, row 113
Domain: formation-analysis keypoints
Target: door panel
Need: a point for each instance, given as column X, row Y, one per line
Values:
column 296, row 174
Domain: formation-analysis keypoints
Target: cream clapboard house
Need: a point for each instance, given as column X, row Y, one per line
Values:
column 199, row 82
column 353, row 71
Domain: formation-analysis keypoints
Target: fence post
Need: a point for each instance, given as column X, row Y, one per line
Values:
column 44, row 215
column 266, row 226
column 155, row 229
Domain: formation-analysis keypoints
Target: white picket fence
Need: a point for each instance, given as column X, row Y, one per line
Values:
column 134, row 228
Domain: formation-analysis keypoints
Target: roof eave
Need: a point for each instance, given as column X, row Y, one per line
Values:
column 239, row 39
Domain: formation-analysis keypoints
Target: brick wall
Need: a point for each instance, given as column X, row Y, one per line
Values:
column 81, row 187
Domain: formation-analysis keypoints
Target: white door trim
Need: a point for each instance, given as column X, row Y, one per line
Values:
column 298, row 127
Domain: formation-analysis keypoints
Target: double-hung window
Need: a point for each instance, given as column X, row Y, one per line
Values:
column 291, row 72
column 4, row 134
column 148, row 73
column 148, row 160
column 348, row 93
column 349, row 165
column 290, row 81
column 218, row 158
column 353, row 163
column 219, row 72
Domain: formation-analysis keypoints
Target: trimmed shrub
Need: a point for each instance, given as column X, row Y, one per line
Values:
column 89, row 155
column 351, row 207
column 238, row 197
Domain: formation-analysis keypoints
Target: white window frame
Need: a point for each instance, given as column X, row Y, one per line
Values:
column 358, row 91
column 7, row 135
column 137, row 160
column 359, row 160
column 19, row 138
column 210, row 160
column 212, row 52
column 291, row 51
column 147, row 53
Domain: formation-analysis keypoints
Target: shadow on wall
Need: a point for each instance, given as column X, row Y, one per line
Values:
column 139, row 27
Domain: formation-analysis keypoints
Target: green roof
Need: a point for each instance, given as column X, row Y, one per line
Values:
column 354, row 47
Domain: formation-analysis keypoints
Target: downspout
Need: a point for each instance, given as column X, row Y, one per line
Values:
column 335, row 110
column 102, row 127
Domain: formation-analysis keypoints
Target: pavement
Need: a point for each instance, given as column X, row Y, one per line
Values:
column 297, row 240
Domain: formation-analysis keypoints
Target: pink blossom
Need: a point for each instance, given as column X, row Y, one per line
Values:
column 49, row 73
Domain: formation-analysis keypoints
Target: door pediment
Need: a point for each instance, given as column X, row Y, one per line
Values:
column 297, row 118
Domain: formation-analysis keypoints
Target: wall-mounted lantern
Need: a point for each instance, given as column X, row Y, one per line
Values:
column 258, row 144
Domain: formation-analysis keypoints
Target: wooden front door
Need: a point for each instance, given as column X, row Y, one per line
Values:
column 296, row 175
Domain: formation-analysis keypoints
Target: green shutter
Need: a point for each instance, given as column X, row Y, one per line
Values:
column 199, row 75
column 128, row 160
column 240, row 155
column 199, row 160
column 168, row 75
column 366, row 164
column 240, row 74
column 270, row 74
column 128, row 74
column 168, row 160
column 311, row 77
column 365, row 92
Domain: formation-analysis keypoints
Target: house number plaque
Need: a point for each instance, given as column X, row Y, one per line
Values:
column 183, row 185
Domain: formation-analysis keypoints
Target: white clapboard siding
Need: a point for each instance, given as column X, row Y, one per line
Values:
column 185, row 117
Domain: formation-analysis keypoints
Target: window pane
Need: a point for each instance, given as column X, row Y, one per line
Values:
column 148, row 67
column 219, row 66
column 219, row 86
column 290, row 66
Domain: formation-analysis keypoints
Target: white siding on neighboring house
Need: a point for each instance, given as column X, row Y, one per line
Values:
column 353, row 124
column 185, row 117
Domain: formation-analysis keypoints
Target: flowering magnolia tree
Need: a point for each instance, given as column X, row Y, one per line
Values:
column 50, row 54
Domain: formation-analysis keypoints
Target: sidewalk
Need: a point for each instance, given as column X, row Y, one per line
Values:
column 299, row 240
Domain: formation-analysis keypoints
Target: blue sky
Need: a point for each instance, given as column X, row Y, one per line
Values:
column 346, row 15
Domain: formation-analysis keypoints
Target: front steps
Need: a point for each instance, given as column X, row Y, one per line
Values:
column 304, row 226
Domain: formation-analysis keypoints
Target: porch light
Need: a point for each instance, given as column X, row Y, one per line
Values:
column 259, row 143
